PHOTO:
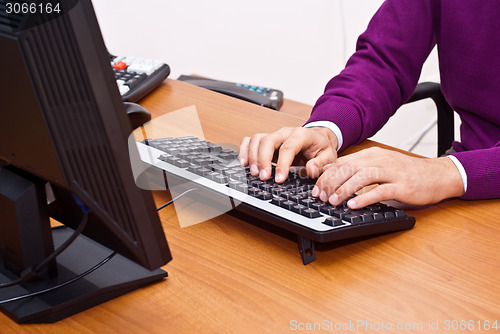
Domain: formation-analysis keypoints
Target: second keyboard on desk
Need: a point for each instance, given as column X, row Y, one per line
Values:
column 137, row 77
column 288, row 205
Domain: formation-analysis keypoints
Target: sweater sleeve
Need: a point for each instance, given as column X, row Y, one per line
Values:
column 382, row 73
column 483, row 169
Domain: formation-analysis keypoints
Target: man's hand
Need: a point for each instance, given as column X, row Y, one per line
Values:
column 316, row 145
column 396, row 176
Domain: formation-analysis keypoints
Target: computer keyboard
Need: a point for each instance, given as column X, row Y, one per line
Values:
column 137, row 77
column 288, row 205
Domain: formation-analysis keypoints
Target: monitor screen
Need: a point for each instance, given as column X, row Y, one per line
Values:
column 64, row 132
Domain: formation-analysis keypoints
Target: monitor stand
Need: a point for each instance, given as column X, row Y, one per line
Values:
column 26, row 238
column 116, row 277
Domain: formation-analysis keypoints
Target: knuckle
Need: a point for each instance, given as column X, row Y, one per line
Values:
column 267, row 141
column 385, row 192
column 328, row 189
column 368, row 174
column 288, row 145
column 373, row 151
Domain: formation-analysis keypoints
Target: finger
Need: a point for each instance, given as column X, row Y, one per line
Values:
column 267, row 147
column 336, row 175
column 318, row 164
column 253, row 153
column 362, row 178
column 293, row 143
column 380, row 193
column 325, row 167
column 243, row 155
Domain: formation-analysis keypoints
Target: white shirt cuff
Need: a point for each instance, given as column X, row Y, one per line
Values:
column 329, row 125
column 460, row 169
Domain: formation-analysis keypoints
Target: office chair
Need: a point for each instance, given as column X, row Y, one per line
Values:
column 445, row 119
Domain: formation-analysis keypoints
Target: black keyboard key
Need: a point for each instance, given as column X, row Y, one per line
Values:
column 239, row 177
column 181, row 163
column 310, row 213
column 265, row 195
column 253, row 191
column 328, row 209
column 299, row 208
column 340, row 212
column 399, row 213
column 193, row 168
column 201, row 162
column 202, row 171
column 352, row 218
column 172, row 159
column 184, row 155
column 190, row 158
column 308, row 201
column 389, row 214
column 214, row 148
column 287, row 194
column 250, row 179
column 233, row 184
column 277, row 190
column 211, row 174
column 229, row 173
column 334, row 221
column 297, row 198
column 288, row 204
column 217, row 168
column 277, row 200
column 220, row 178
column 237, row 185
column 266, row 186
column 164, row 157
column 366, row 217
column 257, row 183
column 317, row 205
column 228, row 155
column 376, row 207
column 172, row 150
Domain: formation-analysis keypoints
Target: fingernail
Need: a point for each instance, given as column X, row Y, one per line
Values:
column 351, row 203
column 279, row 177
column 315, row 191
column 263, row 174
column 334, row 199
column 242, row 162
column 254, row 170
column 323, row 196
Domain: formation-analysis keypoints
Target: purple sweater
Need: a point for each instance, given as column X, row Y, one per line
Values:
column 384, row 71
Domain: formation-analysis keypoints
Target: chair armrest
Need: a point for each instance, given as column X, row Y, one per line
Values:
column 446, row 129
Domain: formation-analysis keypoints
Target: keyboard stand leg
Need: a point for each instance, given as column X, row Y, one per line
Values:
column 306, row 249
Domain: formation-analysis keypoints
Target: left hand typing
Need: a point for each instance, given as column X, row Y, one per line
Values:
column 396, row 176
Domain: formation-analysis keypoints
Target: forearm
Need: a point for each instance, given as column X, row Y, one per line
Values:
column 383, row 72
column 483, row 172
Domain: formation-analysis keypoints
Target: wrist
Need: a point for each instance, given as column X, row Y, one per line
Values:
column 450, row 180
column 329, row 134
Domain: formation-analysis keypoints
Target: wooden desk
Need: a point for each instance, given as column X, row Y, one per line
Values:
column 228, row 276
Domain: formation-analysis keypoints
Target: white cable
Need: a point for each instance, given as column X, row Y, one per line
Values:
column 417, row 138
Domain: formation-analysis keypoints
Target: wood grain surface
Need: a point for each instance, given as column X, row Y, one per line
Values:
column 228, row 275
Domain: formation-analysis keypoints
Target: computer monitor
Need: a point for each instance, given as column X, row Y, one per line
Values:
column 64, row 132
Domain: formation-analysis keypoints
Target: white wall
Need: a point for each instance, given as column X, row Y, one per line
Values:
column 292, row 45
